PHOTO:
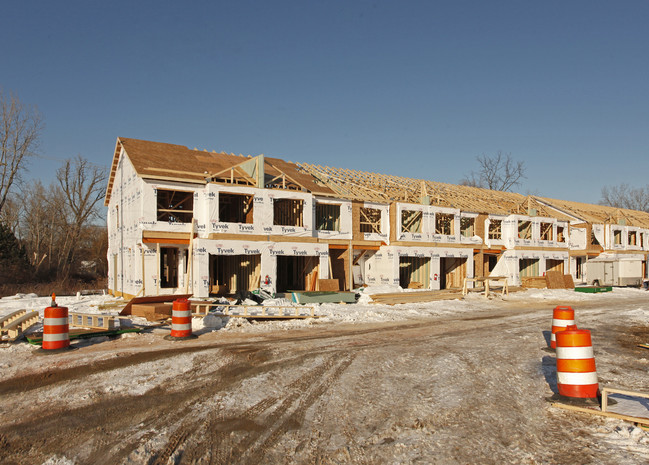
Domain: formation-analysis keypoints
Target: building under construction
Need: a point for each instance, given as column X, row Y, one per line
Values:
column 207, row 223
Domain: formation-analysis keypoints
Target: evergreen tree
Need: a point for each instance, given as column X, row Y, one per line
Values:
column 14, row 264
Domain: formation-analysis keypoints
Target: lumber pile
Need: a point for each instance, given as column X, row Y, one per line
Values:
column 534, row 282
column 152, row 311
column 395, row 298
column 551, row 280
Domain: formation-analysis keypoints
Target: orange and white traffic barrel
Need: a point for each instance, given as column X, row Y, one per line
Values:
column 56, row 329
column 562, row 316
column 576, row 373
column 181, row 320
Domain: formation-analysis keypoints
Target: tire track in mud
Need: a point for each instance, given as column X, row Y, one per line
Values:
column 252, row 426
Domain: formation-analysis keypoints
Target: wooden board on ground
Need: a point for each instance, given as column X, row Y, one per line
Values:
column 395, row 298
column 151, row 300
column 328, row 285
column 554, row 280
column 637, row 397
column 37, row 338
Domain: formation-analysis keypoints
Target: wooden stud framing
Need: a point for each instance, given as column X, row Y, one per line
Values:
column 288, row 212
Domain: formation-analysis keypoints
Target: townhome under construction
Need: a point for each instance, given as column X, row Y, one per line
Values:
column 207, row 223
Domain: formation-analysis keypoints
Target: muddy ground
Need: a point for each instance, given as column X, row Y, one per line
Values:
column 468, row 388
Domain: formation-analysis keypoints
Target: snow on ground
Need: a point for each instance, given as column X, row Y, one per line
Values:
column 138, row 379
column 362, row 312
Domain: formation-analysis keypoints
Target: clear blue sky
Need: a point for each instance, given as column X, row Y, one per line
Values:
column 416, row 89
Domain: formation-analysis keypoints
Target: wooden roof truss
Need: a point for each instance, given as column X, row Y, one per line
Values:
column 252, row 171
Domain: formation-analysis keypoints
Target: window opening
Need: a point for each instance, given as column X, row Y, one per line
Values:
column 288, row 212
column 235, row 208
column 632, row 238
column 467, row 226
column 561, row 237
column 370, row 221
column 495, row 229
column 444, row 224
column 175, row 206
column 546, row 231
column 525, row 229
column 411, row 221
column 617, row 237
column 327, row 217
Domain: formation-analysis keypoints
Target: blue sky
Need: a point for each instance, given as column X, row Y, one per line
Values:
column 415, row 89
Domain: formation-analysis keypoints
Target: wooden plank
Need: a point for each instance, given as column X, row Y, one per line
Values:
column 619, row 416
column 534, row 282
column 328, row 284
column 568, row 282
column 554, row 280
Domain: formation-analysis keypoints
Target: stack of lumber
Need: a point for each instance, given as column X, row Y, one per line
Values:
column 551, row 280
column 395, row 298
column 534, row 282
column 152, row 311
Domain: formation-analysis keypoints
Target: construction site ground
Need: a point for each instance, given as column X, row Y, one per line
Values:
column 443, row 388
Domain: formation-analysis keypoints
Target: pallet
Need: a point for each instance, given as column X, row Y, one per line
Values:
column 37, row 338
column 255, row 311
column 91, row 320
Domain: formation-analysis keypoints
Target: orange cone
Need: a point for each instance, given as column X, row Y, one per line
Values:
column 181, row 320
column 562, row 316
column 56, row 329
column 576, row 373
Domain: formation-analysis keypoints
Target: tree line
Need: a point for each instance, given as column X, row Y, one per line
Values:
column 49, row 231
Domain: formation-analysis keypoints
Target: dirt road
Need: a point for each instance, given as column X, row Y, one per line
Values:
column 464, row 389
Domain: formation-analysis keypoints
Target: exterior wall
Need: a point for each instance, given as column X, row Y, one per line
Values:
column 124, row 213
column 268, row 251
column 382, row 268
column 510, row 232
column 508, row 265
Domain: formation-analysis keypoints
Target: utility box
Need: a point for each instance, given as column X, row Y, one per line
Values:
column 603, row 271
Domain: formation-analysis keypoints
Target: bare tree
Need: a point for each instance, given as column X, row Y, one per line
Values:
column 625, row 196
column 83, row 186
column 499, row 172
column 20, row 128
